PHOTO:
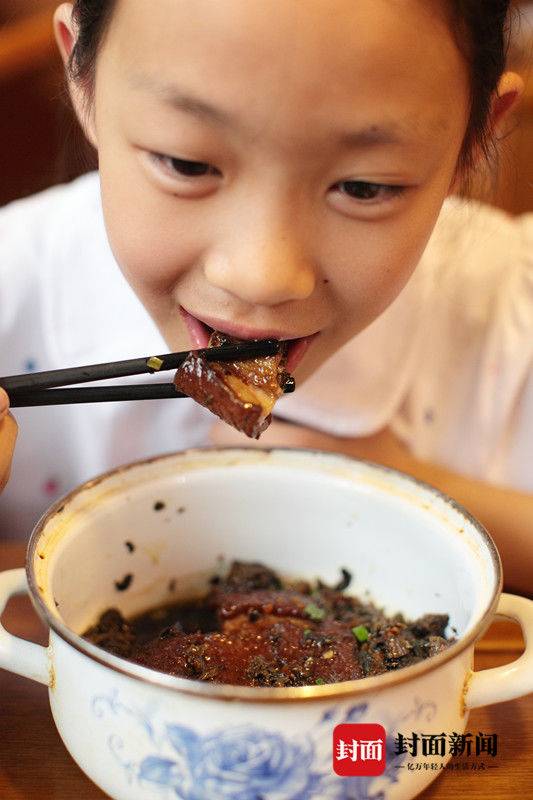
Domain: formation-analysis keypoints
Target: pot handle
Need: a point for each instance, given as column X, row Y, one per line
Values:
column 17, row 655
column 512, row 680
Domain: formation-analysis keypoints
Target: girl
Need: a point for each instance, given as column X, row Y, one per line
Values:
column 276, row 169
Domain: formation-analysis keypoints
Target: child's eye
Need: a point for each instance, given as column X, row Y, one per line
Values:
column 180, row 167
column 367, row 192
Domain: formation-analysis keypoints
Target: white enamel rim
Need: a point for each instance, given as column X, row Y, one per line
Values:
column 259, row 694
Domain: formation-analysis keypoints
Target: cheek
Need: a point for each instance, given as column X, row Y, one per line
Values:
column 385, row 256
column 366, row 287
column 153, row 243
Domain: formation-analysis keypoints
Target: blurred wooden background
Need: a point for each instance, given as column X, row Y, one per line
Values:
column 40, row 143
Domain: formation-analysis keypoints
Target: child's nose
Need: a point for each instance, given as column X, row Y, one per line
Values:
column 265, row 267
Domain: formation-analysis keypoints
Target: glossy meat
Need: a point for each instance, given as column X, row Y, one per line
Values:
column 254, row 629
column 242, row 393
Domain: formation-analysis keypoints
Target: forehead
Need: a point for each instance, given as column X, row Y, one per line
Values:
column 277, row 59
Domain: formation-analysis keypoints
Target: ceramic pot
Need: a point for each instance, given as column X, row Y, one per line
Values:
column 152, row 532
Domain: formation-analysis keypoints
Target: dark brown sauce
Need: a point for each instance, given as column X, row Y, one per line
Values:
column 191, row 616
column 254, row 629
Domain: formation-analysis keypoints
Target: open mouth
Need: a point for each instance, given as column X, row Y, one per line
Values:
column 200, row 333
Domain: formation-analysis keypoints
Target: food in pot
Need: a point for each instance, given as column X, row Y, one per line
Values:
column 254, row 628
column 242, row 393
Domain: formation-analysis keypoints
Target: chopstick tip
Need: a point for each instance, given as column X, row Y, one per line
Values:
column 289, row 386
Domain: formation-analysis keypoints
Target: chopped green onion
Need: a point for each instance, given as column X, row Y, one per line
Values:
column 320, row 681
column 154, row 363
column 314, row 612
column 307, row 632
column 360, row 633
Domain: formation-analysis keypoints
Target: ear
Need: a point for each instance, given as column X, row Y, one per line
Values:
column 505, row 100
column 66, row 35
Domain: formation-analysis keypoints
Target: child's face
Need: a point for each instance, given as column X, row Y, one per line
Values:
column 328, row 131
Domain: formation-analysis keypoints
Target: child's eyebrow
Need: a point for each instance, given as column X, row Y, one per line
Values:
column 373, row 135
column 368, row 136
column 173, row 96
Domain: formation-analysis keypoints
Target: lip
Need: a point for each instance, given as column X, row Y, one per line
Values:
column 244, row 331
column 200, row 334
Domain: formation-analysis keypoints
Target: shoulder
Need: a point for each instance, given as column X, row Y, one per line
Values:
column 32, row 228
column 53, row 205
column 466, row 404
column 479, row 259
column 470, row 234
column 33, row 232
column 77, row 283
column 59, row 282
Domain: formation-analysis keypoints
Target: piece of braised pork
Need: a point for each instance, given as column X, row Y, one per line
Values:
column 242, row 393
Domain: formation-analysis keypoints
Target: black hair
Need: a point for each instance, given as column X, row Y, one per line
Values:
column 480, row 27
column 91, row 18
column 482, row 31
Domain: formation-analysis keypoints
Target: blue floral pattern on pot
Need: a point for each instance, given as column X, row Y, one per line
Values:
column 247, row 762
column 241, row 763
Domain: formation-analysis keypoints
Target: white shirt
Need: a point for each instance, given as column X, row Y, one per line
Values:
column 449, row 366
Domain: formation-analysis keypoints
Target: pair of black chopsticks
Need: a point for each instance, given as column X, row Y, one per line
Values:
column 38, row 388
